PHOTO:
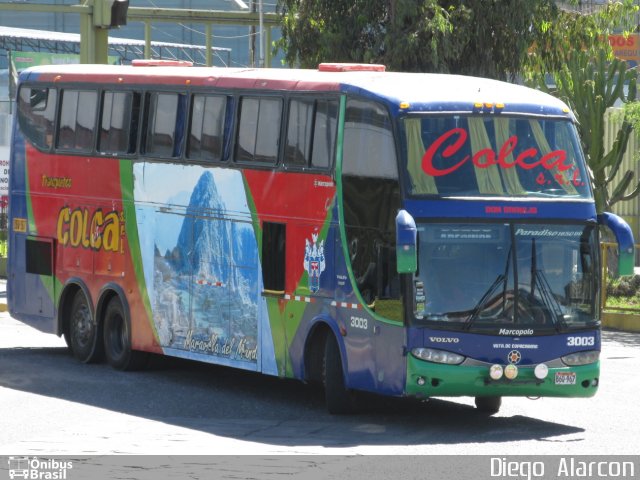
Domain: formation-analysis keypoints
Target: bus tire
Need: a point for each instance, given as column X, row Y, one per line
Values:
column 488, row 405
column 117, row 339
column 338, row 398
column 83, row 336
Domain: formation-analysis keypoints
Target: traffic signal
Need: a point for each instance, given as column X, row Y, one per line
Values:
column 110, row 13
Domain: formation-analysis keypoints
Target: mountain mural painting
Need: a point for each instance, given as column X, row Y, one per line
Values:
column 203, row 299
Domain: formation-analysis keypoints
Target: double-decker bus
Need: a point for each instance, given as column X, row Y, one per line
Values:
column 405, row 234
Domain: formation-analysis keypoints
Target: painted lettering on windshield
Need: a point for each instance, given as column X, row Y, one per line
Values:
column 450, row 143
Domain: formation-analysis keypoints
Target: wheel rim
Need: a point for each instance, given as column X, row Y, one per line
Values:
column 82, row 326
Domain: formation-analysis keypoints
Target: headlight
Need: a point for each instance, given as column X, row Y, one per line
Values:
column 437, row 356
column 581, row 358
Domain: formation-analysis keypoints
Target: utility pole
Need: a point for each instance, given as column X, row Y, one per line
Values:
column 261, row 22
column 252, row 38
column 98, row 16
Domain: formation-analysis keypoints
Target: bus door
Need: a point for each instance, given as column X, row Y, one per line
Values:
column 371, row 200
column 389, row 328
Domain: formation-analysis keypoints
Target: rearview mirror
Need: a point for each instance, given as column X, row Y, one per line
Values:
column 406, row 243
column 624, row 237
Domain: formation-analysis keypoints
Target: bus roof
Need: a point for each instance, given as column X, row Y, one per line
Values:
column 419, row 91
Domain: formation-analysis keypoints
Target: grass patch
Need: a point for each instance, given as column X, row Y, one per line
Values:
column 623, row 302
column 623, row 292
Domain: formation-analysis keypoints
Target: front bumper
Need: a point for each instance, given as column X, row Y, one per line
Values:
column 426, row 379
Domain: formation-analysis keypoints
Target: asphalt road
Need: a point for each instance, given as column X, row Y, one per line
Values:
column 50, row 404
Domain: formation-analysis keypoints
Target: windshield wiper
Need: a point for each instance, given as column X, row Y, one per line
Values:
column 538, row 278
column 550, row 301
column 485, row 298
column 502, row 278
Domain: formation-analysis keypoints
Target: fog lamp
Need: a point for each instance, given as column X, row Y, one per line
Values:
column 495, row 372
column 511, row 371
column 541, row 371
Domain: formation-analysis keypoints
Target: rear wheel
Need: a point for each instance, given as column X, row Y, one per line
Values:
column 488, row 405
column 117, row 339
column 339, row 399
column 83, row 330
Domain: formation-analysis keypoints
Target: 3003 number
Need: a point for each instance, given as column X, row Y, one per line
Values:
column 581, row 341
column 359, row 322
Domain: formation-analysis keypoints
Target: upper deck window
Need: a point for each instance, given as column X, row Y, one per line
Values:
column 165, row 116
column 77, row 120
column 206, row 131
column 36, row 114
column 493, row 156
column 311, row 133
column 119, row 122
column 259, row 130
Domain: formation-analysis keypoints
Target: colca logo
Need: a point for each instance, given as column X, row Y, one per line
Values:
column 96, row 230
column 449, row 144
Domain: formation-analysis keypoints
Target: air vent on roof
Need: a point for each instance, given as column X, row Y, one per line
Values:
column 155, row 62
column 351, row 67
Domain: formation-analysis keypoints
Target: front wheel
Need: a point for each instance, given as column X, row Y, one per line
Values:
column 488, row 405
column 117, row 339
column 338, row 398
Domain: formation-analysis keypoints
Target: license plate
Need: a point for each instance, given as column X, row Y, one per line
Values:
column 565, row 378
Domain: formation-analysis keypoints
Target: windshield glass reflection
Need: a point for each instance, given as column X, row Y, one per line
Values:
column 457, row 155
column 482, row 277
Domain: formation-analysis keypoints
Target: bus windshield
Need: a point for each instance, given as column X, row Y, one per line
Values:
column 486, row 277
column 470, row 156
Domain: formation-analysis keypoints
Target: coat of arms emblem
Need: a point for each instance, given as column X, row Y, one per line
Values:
column 314, row 262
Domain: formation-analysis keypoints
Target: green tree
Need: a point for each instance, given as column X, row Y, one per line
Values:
column 490, row 38
column 573, row 50
column 590, row 83
column 487, row 38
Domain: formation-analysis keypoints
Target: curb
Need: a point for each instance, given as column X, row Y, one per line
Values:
column 627, row 322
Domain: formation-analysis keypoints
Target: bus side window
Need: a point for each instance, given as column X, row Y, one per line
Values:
column 206, row 128
column 119, row 116
column 371, row 197
column 311, row 133
column 36, row 114
column 259, row 130
column 297, row 150
column 164, row 117
column 273, row 256
column 77, row 120
column 324, row 133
